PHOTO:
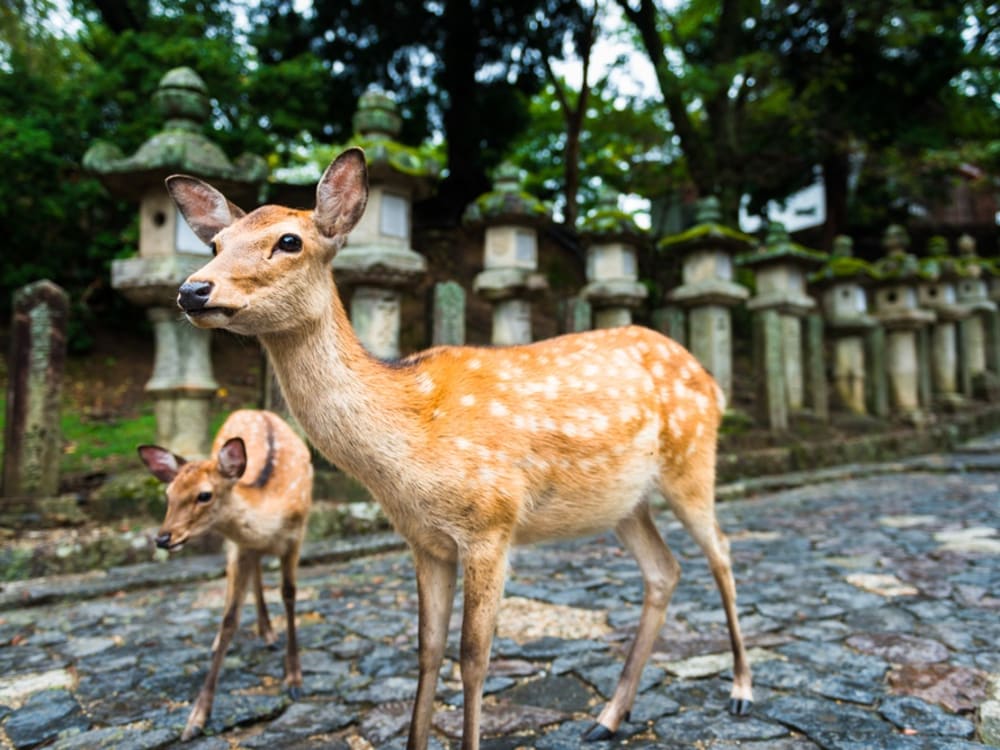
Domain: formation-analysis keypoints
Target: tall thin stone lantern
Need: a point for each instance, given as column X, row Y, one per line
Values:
column 941, row 275
column 841, row 286
column 510, row 219
column 786, row 358
column 182, row 383
column 612, row 239
column 981, row 330
column 897, row 307
column 708, row 290
column 377, row 261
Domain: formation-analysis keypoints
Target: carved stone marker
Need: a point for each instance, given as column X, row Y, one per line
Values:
column 449, row 314
column 37, row 358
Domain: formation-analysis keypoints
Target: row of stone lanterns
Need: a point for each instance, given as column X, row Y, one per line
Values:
column 942, row 304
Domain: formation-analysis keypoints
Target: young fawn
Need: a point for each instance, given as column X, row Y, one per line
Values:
column 256, row 491
column 472, row 449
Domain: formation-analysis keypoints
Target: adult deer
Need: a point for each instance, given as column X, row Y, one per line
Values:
column 471, row 449
column 255, row 490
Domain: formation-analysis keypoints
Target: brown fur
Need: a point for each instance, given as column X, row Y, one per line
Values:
column 472, row 449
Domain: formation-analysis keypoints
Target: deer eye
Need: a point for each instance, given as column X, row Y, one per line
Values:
column 289, row 243
column 214, row 249
column 203, row 497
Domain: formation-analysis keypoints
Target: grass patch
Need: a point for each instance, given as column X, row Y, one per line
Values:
column 101, row 445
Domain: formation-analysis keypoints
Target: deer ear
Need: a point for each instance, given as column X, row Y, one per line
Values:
column 342, row 194
column 233, row 458
column 161, row 463
column 206, row 210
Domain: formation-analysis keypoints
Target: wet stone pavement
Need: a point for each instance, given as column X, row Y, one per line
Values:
column 871, row 607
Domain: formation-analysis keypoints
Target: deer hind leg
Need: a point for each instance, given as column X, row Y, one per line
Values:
column 263, row 618
column 293, row 669
column 238, row 576
column 436, row 593
column 694, row 506
column 660, row 573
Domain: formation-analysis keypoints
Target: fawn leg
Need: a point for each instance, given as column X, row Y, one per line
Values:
column 263, row 618
column 436, row 592
column 293, row 669
column 660, row 573
column 237, row 576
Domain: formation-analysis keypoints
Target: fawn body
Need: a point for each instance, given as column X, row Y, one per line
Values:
column 472, row 449
column 255, row 490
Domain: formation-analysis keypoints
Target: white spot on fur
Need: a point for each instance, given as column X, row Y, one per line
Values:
column 424, row 383
column 569, row 429
column 551, row 389
column 589, row 370
column 475, row 363
column 498, row 410
column 699, row 430
column 519, row 421
column 462, row 444
column 467, row 400
column 685, row 372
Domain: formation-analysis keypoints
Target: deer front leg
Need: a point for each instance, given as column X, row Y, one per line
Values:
column 485, row 566
column 660, row 573
column 436, row 592
column 263, row 619
column 293, row 669
column 238, row 575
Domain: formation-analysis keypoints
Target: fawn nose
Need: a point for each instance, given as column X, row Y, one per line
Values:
column 193, row 295
column 163, row 540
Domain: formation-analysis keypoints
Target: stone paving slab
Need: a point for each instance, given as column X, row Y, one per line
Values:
column 871, row 605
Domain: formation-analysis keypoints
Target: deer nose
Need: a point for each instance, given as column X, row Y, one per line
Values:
column 163, row 540
column 193, row 295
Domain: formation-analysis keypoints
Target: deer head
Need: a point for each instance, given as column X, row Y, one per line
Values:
column 197, row 491
column 271, row 269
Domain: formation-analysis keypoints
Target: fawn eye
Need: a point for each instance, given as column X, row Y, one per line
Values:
column 289, row 243
column 204, row 497
column 214, row 249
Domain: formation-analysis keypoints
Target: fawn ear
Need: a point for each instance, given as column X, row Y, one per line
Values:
column 206, row 210
column 233, row 458
column 341, row 195
column 161, row 463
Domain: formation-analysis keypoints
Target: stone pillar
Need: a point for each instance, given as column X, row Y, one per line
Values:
column 378, row 261
column 32, row 435
column 509, row 280
column 611, row 238
column 448, row 314
column 575, row 315
column 877, row 381
column 708, row 291
column 898, row 309
column 815, row 357
column 780, row 268
column 841, row 286
column 182, row 383
column 981, row 331
column 769, row 358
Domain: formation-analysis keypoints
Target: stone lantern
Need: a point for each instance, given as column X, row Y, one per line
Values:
column 612, row 238
column 182, row 383
column 377, row 261
column 981, row 330
column 780, row 304
column 708, row 289
column 937, row 292
column 841, row 285
column 510, row 280
column 897, row 307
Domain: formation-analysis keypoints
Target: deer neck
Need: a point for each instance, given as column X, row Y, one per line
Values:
column 352, row 407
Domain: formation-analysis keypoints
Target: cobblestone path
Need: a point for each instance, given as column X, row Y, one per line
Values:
column 871, row 605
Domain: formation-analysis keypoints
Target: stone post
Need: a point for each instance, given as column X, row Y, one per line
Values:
column 897, row 308
column 32, row 435
column 979, row 330
column 937, row 292
column 611, row 238
column 510, row 219
column 780, row 268
column 182, row 383
column 708, row 290
column 378, row 262
column 840, row 285
column 575, row 315
column 448, row 314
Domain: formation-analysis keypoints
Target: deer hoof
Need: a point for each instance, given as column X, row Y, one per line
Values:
column 740, row 706
column 190, row 733
column 295, row 692
column 598, row 733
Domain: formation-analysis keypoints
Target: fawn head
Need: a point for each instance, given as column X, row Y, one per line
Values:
column 271, row 269
column 197, row 491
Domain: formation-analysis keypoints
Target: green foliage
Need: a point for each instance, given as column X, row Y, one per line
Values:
column 102, row 444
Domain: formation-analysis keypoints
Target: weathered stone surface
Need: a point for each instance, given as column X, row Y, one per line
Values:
column 907, row 712
column 955, row 688
column 301, row 720
column 500, row 719
column 43, row 716
column 899, row 649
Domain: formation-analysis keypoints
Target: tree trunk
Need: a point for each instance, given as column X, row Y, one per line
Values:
column 836, row 168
